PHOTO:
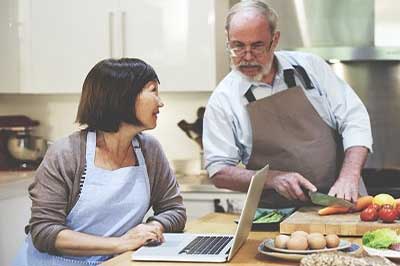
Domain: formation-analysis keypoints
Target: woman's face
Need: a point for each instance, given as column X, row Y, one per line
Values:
column 148, row 104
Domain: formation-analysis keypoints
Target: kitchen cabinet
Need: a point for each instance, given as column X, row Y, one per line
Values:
column 66, row 39
column 182, row 39
column 14, row 212
column 9, row 46
column 54, row 43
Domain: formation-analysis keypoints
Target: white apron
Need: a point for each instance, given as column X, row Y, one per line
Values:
column 110, row 204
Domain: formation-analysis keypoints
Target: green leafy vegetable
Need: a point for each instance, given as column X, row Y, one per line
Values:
column 381, row 238
column 271, row 217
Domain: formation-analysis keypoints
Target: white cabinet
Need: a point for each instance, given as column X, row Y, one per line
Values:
column 14, row 213
column 66, row 39
column 182, row 39
column 52, row 44
column 9, row 46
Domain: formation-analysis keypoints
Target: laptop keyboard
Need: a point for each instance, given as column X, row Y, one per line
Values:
column 206, row 245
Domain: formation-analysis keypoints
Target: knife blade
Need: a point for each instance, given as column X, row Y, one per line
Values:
column 319, row 198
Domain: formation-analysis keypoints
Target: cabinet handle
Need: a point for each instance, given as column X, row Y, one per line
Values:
column 111, row 32
column 123, row 34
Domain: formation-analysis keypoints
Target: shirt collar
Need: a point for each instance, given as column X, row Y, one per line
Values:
column 245, row 84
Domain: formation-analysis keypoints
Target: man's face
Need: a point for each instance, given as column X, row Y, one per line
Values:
column 252, row 44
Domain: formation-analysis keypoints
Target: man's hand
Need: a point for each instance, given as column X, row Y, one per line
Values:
column 346, row 188
column 347, row 184
column 290, row 185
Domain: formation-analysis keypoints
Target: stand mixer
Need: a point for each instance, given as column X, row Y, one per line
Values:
column 19, row 149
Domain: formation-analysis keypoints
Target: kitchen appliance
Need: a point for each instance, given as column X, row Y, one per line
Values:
column 19, row 149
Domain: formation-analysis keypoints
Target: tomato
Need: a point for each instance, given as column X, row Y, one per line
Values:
column 375, row 206
column 398, row 210
column 369, row 214
column 388, row 215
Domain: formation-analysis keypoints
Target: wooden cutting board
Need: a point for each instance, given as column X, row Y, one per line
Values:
column 349, row 224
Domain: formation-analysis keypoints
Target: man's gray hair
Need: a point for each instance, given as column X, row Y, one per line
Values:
column 268, row 12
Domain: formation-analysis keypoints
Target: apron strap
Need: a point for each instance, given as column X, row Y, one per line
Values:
column 288, row 76
column 138, row 151
column 305, row 77
column 249, row 95
column 90, row 148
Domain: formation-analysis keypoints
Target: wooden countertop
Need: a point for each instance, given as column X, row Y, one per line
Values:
column 220, row 223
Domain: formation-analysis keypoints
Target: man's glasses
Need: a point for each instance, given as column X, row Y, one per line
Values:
column 256, row 49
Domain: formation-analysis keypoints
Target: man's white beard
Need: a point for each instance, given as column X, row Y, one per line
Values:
column 265, row 69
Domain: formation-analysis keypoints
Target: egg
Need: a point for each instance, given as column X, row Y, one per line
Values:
column 332, row 241
column 314, row 234
column 299, row 233
column 316, row 242
column 297, row 243
column 281, row 241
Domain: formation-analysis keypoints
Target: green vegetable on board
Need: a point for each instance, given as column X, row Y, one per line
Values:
column 271, row 217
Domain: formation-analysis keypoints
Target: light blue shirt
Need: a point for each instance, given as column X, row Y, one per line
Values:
column 227, row 132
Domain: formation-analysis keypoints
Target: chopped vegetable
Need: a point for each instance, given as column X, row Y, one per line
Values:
column 333, row 210
column 380, row 238
column 363, row 202
column 272, row 217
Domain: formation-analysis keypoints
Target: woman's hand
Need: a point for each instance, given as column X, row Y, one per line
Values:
column 140, row 235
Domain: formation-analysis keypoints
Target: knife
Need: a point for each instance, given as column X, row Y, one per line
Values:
column 326, row 200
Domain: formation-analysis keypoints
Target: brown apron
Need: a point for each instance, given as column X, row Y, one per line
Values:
column 289, row 135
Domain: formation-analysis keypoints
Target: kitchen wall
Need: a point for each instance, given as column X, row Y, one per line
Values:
column 56, row 114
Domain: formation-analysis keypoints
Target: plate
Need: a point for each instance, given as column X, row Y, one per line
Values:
column 269, row 244
column 353, row 249
column 388, row 253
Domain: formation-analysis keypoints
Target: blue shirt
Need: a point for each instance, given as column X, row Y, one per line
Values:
column 227, row 132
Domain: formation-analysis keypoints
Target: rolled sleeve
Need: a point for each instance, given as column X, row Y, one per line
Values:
column 219, row 142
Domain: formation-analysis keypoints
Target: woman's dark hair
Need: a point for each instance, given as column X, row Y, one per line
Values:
column 109, row 93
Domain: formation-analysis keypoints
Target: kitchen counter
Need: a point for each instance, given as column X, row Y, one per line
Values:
column 220, row 223
column 200, row 184
column 15, row 183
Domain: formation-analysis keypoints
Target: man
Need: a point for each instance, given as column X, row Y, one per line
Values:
column 287, row 109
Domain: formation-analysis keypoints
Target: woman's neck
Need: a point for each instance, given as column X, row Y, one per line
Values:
column 114, row 149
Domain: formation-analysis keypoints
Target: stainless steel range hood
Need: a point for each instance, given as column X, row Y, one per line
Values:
column 346, row 30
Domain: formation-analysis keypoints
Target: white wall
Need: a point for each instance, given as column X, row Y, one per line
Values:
column 56, row 114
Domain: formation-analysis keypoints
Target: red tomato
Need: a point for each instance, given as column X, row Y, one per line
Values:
column 369, row 214
column 398, row 210
column 388, row 215
column 375, row 206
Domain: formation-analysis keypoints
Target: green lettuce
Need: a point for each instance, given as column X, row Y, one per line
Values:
column 381, row 238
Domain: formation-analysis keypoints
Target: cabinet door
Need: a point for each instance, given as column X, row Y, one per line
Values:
column 67, row 39
column 9, row 46
column 176, row 37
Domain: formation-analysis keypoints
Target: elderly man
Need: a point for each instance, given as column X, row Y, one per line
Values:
column 287, row 109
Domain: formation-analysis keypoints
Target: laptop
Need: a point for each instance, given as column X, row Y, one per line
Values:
column 208, row 247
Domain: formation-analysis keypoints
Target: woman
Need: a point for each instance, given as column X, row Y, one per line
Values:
column 93, row 188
